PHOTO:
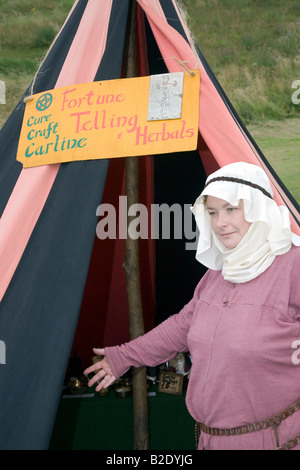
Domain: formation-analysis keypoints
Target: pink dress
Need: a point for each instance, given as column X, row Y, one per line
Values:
column 244, row 340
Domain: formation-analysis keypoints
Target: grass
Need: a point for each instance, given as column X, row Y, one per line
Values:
column 280, row 142
column 27, row 28
column 252, row 47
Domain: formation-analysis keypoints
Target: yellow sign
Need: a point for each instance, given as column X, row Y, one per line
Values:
column 108, row 119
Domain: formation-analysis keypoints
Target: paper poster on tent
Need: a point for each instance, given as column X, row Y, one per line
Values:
column 110, row 119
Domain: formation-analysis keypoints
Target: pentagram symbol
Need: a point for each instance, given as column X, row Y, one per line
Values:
column 44, row 102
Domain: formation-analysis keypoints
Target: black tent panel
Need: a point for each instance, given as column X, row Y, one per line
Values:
column 39, row 311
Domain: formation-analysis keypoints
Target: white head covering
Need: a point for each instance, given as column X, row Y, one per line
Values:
column 269, row 235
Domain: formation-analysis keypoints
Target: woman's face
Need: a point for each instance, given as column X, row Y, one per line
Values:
column 228, row 222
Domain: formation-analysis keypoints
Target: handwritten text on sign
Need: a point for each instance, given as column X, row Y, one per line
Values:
column 111, row 119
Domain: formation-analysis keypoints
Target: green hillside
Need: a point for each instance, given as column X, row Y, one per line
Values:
column 27, row 28
column 252, row 47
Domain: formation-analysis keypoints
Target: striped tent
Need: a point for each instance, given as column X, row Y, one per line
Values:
column 61, row 288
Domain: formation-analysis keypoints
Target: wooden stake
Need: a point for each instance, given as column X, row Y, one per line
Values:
column 132, row 269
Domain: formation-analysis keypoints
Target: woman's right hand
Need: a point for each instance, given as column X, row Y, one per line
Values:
column 104, row 377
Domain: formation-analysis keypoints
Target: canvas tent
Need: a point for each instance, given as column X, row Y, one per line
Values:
column 61, row 287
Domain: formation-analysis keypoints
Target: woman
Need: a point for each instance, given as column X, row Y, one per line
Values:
column 242, row 327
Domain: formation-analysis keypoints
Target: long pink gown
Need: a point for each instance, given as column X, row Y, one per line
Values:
column 244, row 340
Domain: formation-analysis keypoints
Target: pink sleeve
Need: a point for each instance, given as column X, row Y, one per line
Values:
column 155, row 347
column 294, row 300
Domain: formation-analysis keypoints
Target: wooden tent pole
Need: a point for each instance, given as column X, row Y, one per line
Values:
column 132, row 268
